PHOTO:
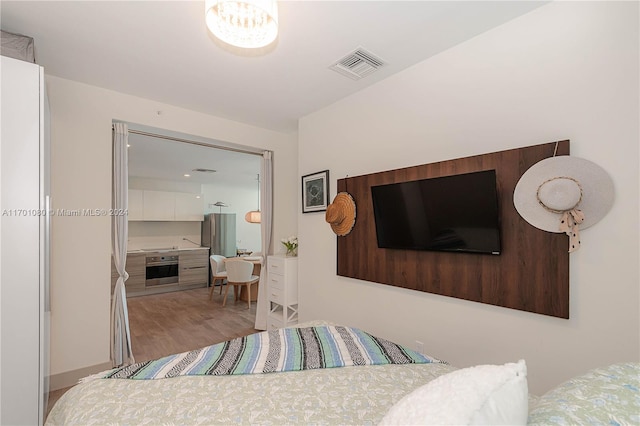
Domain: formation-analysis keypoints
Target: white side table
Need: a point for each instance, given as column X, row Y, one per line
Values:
column 282, row 290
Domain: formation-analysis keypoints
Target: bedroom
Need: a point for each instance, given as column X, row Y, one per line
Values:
column 566, row 70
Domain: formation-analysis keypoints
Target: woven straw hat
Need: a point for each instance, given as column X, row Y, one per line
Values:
column 341, row 214
column 557, row 185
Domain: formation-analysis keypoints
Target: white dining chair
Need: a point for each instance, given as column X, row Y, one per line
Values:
column 218, row 272
column 239, row 273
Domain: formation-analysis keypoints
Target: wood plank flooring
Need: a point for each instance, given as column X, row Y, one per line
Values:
column 169, row 323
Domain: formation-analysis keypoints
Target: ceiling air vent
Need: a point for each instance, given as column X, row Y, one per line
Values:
column 357, row 64
column 204, row 170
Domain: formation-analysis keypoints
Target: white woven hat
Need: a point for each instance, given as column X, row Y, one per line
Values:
column 560, row 184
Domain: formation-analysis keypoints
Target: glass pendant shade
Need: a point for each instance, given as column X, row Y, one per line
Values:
column 245, row 23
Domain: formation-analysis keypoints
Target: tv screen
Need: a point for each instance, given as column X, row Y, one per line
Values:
column 456, row 213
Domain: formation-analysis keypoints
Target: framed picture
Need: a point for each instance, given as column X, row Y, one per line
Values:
column 315, row 192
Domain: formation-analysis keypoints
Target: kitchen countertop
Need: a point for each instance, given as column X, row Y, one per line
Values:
column 166, row 249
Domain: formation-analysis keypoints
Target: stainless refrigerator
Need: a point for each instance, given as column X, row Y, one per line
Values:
column 219, row 233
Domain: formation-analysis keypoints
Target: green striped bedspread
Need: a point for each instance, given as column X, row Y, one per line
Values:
column 287, row 349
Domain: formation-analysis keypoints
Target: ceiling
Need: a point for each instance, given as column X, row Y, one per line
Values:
column 163, row 159
column 161, row 50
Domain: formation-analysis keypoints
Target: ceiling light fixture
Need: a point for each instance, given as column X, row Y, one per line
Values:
column 254, row 216
column 243, row 23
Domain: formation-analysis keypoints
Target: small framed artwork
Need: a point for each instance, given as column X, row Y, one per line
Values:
column 315, row 192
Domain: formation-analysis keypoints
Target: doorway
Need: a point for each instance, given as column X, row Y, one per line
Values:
column 225, row 179
column 221, row 179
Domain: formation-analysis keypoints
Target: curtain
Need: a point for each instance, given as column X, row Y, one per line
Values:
column 266, row 207
column 121, row 353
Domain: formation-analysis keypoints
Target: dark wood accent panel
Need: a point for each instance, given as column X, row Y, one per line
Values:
column 531, row 273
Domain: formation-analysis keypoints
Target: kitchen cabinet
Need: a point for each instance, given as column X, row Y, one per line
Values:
column 136, row 204
column 282, row 291
column 189, row 207
column 193, row 271
column 25, row 239
column 165, row 206
column 193, row 267
column 158, row 205
column 136, row 268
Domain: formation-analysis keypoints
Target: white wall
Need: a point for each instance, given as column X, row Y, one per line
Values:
column 81, row 179
column 241, row 196
column 568, row 70
column 146, row 235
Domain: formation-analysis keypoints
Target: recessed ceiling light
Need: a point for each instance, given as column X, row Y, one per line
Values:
column 187, row 175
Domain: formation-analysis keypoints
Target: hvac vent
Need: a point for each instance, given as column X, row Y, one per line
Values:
column 357, row 64
column 204, row 170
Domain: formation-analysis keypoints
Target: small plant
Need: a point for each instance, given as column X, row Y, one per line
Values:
column 291, row 244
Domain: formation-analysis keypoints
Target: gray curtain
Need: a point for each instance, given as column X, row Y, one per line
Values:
column 266, row 208
column 121, row 353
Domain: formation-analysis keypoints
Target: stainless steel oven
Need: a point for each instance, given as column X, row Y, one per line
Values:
column 162, row 270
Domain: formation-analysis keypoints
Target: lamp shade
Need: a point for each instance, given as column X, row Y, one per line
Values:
column 243, row 23
column 253, row 216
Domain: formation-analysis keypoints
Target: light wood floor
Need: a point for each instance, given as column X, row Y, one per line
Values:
column 169, row 323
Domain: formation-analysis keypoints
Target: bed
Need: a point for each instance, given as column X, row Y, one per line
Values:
column 386, row 393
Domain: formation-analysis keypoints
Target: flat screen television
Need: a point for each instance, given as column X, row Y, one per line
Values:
column 457, row 213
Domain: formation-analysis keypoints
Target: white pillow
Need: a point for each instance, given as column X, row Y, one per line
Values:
column 481, row 395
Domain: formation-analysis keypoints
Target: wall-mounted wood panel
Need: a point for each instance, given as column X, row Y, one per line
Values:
column 530, row 274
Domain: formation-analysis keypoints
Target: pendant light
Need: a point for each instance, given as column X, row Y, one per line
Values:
column 243, row 23
column 254, row 216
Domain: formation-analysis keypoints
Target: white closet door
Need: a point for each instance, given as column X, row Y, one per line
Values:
column 21, row 310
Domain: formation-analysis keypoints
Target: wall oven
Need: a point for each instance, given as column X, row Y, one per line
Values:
column 162, row 270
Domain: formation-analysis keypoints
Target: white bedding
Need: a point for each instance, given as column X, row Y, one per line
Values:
column 347, row 395
column 359, row 395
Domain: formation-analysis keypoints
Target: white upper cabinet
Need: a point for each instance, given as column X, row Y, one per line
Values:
column 158, row 205
column 136, row 203
column 189, row 207
column 165, row 206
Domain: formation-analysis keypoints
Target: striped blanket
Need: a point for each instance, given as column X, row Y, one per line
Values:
column 288, row 349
